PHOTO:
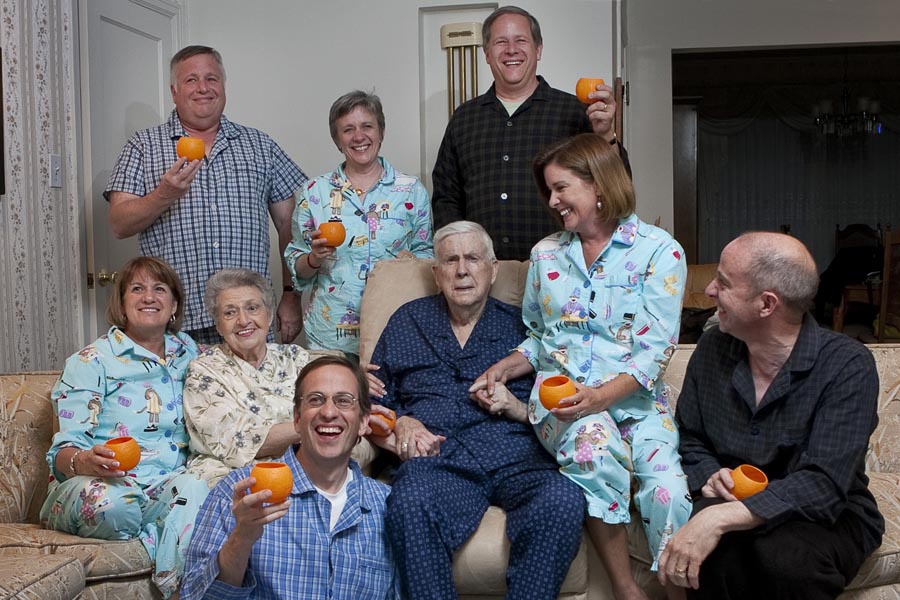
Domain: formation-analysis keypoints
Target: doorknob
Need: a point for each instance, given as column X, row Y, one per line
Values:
column 106, row 278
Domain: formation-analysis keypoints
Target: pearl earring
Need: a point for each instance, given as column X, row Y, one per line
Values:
column 599, row 204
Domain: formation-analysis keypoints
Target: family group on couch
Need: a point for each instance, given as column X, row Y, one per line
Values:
column 461, row 370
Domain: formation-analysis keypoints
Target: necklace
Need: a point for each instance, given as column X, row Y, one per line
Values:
column 360, row 191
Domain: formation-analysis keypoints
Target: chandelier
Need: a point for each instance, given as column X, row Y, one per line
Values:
column 864, row 121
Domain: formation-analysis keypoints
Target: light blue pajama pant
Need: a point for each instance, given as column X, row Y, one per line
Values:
column 600, row 452
column 161, row 515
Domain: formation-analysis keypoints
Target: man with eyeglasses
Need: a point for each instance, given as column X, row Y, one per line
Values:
column 460, row 454
column 327, row 540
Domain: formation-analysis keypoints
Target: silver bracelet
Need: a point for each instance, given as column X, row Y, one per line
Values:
column 72, row 462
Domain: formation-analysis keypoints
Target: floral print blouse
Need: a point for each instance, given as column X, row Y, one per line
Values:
column 230, row 406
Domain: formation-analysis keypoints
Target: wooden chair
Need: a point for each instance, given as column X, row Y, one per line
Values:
column 889, row 312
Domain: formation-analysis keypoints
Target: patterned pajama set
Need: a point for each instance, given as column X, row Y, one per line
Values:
column 395, row 216
column 114, row 388
column 593, row 323
column 436, row 503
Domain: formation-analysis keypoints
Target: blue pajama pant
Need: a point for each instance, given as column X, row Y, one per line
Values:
column 161, row 515
column 436, row 504
column 600, row 452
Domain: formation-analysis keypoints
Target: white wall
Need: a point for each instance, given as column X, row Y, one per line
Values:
column 286, row 61
column 655, row 28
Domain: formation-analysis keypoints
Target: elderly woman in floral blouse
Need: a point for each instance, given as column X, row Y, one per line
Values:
column 239, row 396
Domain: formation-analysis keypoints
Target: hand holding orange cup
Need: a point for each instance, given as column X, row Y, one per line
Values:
column 585, row 86
column 748, row 480
column 382, row 425
column 333, row 232
column 126, row 450
column 273, row 476
column 555, row 388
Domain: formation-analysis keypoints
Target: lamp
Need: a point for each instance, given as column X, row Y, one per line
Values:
column 461, row 41
column 864, row 121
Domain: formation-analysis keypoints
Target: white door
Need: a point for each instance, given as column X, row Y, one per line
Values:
column 125, row 48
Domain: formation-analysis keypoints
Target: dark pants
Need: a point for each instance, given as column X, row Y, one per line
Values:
column 795, row 560
column 437, row 503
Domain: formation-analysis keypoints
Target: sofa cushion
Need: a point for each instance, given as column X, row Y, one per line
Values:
column 884, row 446
column 102, row 559
column 883, row 566
column 26, row 428
column 393, row 283
column 40, row 577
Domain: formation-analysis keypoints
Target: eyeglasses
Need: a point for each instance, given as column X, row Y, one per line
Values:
column 342, row 400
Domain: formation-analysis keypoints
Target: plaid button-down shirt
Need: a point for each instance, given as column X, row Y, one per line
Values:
column 809, row 434
column 483, row 169
column 298, row 556
column 223, row 219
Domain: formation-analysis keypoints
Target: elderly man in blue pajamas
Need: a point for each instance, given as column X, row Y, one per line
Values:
column 462, row 455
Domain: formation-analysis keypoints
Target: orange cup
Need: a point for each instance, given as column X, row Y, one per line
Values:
column 585, row 86
column 381, row 425
column 190, row 148
column 273, row 476
column 333, row 232
column 127, row 451
column 748, row 480
column 553, row 389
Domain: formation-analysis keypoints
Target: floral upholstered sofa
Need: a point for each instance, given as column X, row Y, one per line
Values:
column 36, row 563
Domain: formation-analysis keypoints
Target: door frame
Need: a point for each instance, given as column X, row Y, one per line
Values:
column 86, row 192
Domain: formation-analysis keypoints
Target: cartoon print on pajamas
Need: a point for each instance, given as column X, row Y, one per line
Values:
column 374, row 220
column 94, row 501
column 153, row 408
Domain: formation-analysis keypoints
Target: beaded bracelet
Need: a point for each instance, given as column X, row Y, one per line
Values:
column 72, row 461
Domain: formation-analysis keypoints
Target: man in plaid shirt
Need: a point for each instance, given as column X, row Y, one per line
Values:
column 771, row 388
column 205, row 215
column 483, row 169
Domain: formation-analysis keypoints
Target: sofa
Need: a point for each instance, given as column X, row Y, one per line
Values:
column 36, row 563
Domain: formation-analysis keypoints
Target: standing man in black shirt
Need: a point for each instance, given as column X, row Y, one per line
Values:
column 483, row 169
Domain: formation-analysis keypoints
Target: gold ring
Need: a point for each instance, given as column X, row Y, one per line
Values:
column 680, row 571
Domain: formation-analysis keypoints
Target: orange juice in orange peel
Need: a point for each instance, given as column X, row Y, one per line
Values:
column 382, row 425
column 273, row 476
column 127, row 452
column 190, row 148
column 585, row 86
column 748, row 480
column 553, row 389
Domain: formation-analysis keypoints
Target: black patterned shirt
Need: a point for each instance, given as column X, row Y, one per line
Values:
column 483, row 169
column 809, row 434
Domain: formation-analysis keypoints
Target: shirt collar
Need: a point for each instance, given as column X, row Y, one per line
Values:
column 338, row 178
column 541, row 93
column 176, row 129
column 303, row 484
column 121, row 344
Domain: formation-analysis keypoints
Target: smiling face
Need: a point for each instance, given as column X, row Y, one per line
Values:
column 243, row 320
column 574, row 198
column 328, row 433
column 464, row 272
column 513, row 56
column 149, row 304
column 359, row 137
column 199, row 91
column 737, row 303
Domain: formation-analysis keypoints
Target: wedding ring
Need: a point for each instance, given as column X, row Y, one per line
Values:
column 603, row 106
column 404, row 445
column 680, row 571
column 579, row 414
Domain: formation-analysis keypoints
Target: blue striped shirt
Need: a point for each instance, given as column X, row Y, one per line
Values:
column 222, row 220
column 298, row 556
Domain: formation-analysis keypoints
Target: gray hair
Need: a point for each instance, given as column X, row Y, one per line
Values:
column 459, row 227
column 190, row 52
column 345, row 104
column 227, row 279
column 782, row 264
column 511, row 10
